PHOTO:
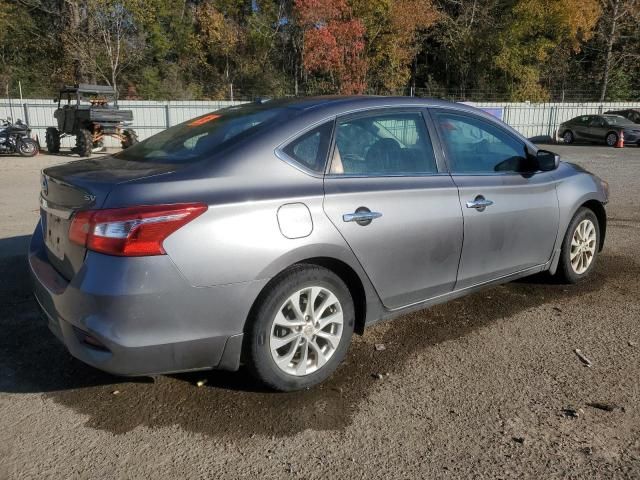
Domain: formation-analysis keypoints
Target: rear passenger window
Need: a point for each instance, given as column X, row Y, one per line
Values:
column 310, row 149
column 385, row 144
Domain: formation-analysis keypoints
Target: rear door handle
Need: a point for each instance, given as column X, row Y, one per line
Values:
column 479, row 203
column 362, row 216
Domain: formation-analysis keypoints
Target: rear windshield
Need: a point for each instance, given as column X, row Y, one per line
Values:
column 617, row 120
column 203, row 136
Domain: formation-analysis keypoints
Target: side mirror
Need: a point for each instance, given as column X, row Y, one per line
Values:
column 547, row 160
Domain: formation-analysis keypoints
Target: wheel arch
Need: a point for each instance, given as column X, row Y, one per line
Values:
column 578, row 190
column 365, row 302
column 564, row 131
column 598, row 209
column 617, row 134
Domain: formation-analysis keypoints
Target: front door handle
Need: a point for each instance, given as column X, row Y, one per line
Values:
column 479, row 203
column 362, row 216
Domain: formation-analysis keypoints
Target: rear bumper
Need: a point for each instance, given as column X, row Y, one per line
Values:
column 139, row 316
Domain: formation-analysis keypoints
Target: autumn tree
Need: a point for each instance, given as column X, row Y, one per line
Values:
column 220, row 38
column 393, row 39
column 535, row 31
column 333, row 45
column 459, row 49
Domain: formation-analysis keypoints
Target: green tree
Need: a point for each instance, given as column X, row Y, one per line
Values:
column 536, row 30
column 458, row 53
column 620, row 21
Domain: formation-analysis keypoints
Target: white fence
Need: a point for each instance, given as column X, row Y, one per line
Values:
column 542, row 119
column 150, row 117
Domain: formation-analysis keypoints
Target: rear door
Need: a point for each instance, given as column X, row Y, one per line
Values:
column 510, row 218
column 396, row 209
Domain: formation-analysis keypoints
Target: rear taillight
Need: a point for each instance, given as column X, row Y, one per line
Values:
column 132, row 231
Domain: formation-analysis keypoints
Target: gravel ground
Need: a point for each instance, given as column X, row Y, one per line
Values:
column 487, row 386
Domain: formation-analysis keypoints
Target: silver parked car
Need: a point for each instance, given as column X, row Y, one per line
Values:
column 266, row 234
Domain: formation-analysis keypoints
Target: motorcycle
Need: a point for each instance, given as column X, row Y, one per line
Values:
column 15, row 138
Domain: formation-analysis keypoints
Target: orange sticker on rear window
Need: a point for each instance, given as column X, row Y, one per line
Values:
column 203, row 120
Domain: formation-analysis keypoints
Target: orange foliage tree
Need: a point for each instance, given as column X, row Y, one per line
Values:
column 333, row 45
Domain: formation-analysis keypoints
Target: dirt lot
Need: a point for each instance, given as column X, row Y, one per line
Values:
column 482, row 387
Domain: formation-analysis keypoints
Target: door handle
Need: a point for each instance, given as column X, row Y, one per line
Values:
column 362, row 216
column 479, row 203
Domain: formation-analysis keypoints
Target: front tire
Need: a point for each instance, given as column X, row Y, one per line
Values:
column 301, row 329
column 52, row 139
column 567, row 137
column 579, row 247
column 84, row 142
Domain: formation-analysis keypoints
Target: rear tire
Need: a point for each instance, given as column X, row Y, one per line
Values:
column 52, row 139
column 579, row 247
column 611, row 139
column 318, row 330
column 84, row 142
column 27, row 147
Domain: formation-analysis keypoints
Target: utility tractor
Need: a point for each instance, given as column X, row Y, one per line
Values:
column 89, row 112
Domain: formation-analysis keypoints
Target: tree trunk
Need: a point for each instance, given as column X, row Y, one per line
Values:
column 72, row 13
column 609, row 54
column 114, row 79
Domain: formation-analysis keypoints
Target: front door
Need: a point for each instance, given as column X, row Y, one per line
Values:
column 581, row 127
column 597, row 130
column 510, row 218
column 399, row 214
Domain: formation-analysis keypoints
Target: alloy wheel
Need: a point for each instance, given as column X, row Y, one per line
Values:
column 567, row 137
column 612, row 139
column 28, row 148
column 583, row 246
column 306, row 331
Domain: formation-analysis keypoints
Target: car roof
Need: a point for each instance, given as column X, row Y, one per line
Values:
column 354, row 101
column 324, row 106
column 623, row 110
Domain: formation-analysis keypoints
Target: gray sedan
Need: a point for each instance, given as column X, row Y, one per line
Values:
column 266, row 234
column 606, row 129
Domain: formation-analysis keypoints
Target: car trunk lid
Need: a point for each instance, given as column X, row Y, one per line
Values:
column 81, row 185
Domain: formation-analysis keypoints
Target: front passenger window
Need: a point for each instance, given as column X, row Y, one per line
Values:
column 476, row 146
